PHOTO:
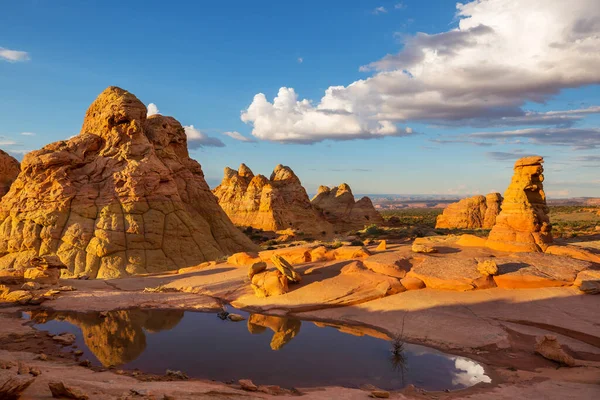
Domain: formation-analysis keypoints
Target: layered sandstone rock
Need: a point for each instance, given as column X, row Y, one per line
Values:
column 274, row 204
column 523, row 224
column 339, row 207
column 123, row 197
column 471, row 213
column 9, row 170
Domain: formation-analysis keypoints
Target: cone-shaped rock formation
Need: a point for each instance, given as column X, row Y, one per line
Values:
column 9, row 170
column 471, row 213
column 523, row 224
column 273, row 204
column 339, row 207
column 123, row 197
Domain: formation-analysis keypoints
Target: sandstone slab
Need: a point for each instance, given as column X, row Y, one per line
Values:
column 389, row 263
column 534, row 270
column 449, row 274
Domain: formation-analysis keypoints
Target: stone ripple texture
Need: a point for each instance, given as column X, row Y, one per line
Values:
column 9, row 170
column 121, row 198
column 523, row 224
column 339, row 208
column 477, row 212
column 277, row 203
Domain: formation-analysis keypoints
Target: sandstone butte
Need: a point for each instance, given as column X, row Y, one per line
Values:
column 274, row 204
column 471, row 213
column 121, row 198
column 523, row 224
column 339, row 208
column 9, row 170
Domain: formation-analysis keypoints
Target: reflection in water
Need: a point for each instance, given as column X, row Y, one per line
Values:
column 470, row 373
column 204, row 346
column 285, row 329
column 116, row 337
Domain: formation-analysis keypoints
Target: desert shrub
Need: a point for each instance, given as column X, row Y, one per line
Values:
column 357, row 242
column 373, row 230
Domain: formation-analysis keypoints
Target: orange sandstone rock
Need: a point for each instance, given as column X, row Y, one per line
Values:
column 471, row 241
column 121, row 198
column 339, row 207
column 9, row 170
column 471, row 213
column 523, row 224
column 274, row 204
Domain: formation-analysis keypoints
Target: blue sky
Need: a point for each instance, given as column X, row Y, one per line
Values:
column 463, row 93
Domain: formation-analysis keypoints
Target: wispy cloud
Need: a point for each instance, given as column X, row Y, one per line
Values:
column 576, row 138
column 238, row 136
column 504, row 156
column 300, row 60
column 399, row 6
column 28, row 133
column 13, row 55
column 379, row 10
column 197, row 139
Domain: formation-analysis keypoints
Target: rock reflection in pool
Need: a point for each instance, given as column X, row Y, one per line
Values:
column 203, row 346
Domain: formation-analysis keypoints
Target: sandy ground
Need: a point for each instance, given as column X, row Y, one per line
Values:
column 496, row 327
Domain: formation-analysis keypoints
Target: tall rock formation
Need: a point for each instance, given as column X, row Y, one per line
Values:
column 273, row 204
column 9, row 170
column 123, row 197
column 471, row 213
column 339, row 207
column 523, row 224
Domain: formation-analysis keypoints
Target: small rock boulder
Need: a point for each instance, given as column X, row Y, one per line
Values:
column 269, row 283
column 255, row 268
column 248, row 385
column 423, row 248
column 549, row 347
column 61, row 391
column 12, row 385
column 487, row 267
column 381, row 246
column 286, row 268
column 18, row 296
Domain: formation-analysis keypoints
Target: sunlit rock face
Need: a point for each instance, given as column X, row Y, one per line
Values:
column 523, row 225
column 121, row 198
column 274, row 204
column 116, row 337
column 471, row 213
column 9, row 170
column 339, row 208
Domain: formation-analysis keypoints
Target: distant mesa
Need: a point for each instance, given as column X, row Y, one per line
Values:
column 339, row 208
column 9, row 170
column 274, row 204
column 471, row 213
column 121, row 198
column 523, row 224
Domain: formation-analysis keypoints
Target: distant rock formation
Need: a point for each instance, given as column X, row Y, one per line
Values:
column 338, row 207
column 273, row 204
column 523, row 224
column 9, row 170
column 471, row 213
column 123, row 197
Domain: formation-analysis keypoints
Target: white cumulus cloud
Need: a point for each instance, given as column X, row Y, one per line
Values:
column 288, row 119
column 28, row 133
column 13, row 55
column 238, row 136
column 197, row 139
column 152, row 109
column 502, row 55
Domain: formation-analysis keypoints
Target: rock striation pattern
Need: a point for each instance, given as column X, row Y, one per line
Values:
column 123, row 197
column 523, row 225
column 339, row 207
column 471, row 213
column 274, row 204
column 9, row 170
